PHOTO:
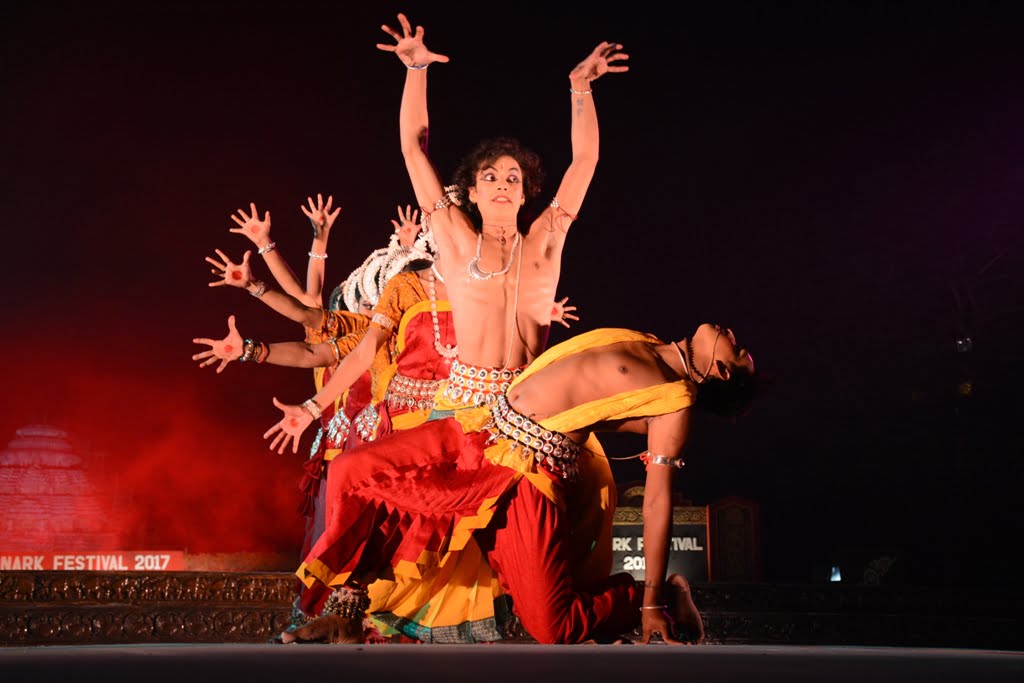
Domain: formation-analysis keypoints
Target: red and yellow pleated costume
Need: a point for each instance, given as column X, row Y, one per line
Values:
column 409, row 506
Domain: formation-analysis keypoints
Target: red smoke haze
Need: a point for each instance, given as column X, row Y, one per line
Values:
column 177, row 451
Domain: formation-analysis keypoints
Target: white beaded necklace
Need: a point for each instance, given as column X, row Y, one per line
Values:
column 445, row 351
column 682, row 359
column 477, row 273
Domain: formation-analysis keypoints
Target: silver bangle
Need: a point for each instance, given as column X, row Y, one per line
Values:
column 313, row 254
column 416, row 67
column 269, row 246
column 313, row 408
column 580, row 92
column 260, row 290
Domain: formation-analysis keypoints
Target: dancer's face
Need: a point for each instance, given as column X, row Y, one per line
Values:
column 499, row 187
column 728, row 356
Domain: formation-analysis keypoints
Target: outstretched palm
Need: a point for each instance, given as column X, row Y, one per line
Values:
column 230, row 273
column 409, row 45
column 290, row 427
column 560, row 313
column 250, row 225
column 224, row 350
column 406, row 226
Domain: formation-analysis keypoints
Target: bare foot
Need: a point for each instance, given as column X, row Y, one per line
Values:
column 689, row 625
column 329, row 629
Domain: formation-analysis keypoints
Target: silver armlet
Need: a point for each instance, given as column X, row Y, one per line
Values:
column 665, row 460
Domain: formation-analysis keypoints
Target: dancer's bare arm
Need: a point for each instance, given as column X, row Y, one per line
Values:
column 258, row 231
column 666, row 435
column 387, row 316
column 414, row 121
column 296, row 418
column 239, row 275
column 321, row 217
column 605, row 58
column 291, row 354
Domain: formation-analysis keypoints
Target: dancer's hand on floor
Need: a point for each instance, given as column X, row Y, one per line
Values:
column 658, row 621
column 230, row 273
column 224, row 350
column 290, row 428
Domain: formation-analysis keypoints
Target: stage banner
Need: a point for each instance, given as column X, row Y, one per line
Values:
column 96, row 561
column 688, row 544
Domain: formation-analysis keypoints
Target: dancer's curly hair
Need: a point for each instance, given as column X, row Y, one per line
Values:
column 486, row 153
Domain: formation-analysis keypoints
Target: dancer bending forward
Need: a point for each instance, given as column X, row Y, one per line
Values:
column 501, row 476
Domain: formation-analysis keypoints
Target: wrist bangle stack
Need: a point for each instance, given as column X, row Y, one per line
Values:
column 260, row 288
column 314, row 410
column 574, row 91
column 313, row 254
column 416, row 67
column 269, row 246
column 248, row 351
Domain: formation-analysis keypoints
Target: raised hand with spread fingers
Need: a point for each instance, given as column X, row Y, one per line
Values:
column 406, row 227
column 230, row 273
column 409, row 46
column 224, row 350
column 560, row 313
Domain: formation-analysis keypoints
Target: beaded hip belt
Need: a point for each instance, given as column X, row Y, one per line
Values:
column 472, row 385
column 553, row 451
column 408, row 393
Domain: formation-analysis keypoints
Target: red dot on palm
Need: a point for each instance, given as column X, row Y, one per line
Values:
column 228, row 348
column 236, row 275
column 253, row 229
column 293, row 422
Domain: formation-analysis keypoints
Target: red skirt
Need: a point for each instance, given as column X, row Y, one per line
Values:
column 400, row 504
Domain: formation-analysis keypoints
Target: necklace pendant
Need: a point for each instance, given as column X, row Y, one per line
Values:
column 476, row 272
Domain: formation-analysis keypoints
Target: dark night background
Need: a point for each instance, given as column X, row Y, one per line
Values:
column 839, row 182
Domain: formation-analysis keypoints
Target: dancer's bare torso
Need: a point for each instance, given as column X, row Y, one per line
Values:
column 502, row 321
column 589, row 376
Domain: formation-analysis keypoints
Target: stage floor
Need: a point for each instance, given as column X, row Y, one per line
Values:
column 509, row 663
